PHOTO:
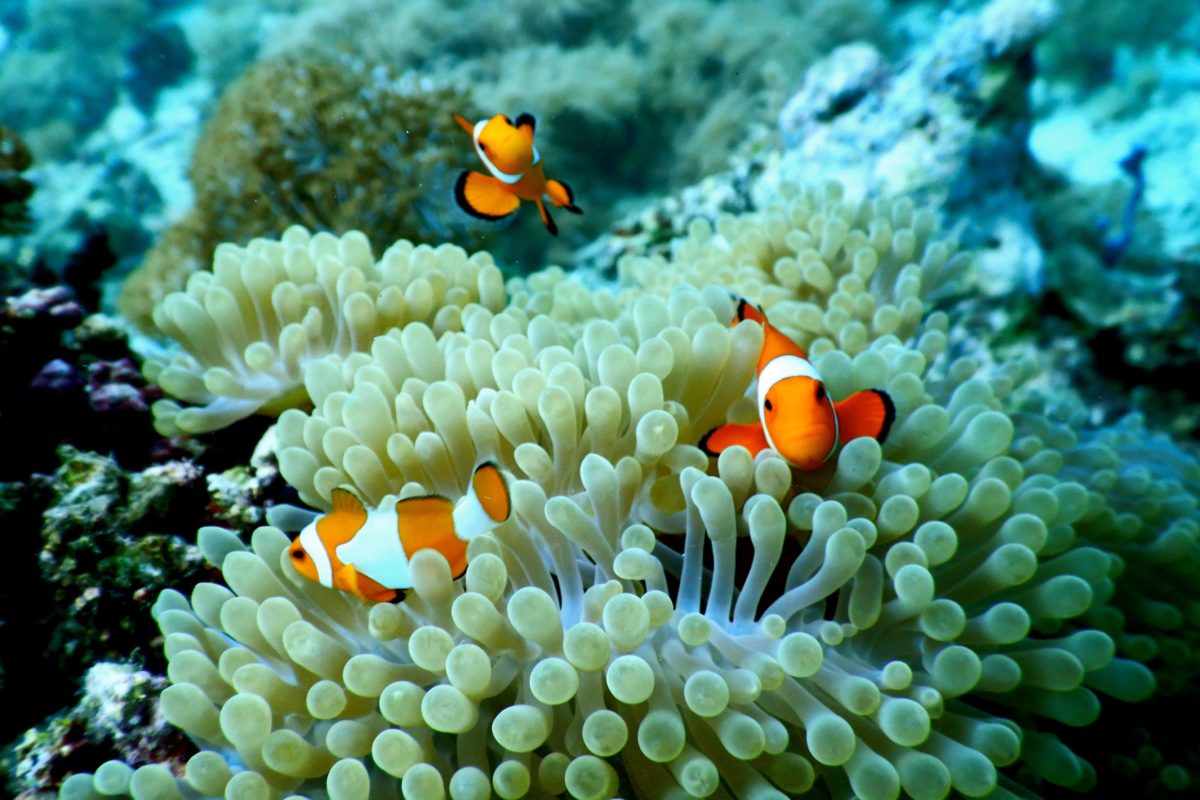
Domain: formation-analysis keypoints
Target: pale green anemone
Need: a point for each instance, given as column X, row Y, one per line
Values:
column 248, row 329
column 895, row 622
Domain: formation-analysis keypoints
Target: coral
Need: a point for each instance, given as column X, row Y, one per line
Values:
column 672, row 89
column 107, row 550
column 69, row 49
column 15, row 188
column 74, row 368
column 1086, row 41
column 117, row 717
column 331, row 144
column 249, row 328
column 911, row 617
column 947, row 126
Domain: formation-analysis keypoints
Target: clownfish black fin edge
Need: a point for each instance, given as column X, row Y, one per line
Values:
column 889, row 414
column 570, row 204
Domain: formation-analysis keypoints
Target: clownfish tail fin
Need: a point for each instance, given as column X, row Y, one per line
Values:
column 562, row 196
column 870, row 412
column 462, row 123
column 725, row 436
column 486, row 504
column 547, row 220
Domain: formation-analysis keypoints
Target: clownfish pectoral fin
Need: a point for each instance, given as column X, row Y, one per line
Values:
column 562, row 196
column 466, row 126
column 373, row 590
column 346, row 579
column 351, row 580
column 526, row 123
column 866, row 413
column 484, row 197
column 725, row 436
column 547, row 220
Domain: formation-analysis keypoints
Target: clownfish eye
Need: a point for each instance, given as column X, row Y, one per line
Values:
column 767, row 405
column 820, row 392
column 298, row 555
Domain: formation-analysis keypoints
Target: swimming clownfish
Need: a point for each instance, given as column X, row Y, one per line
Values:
column 367, row 552
column 797, row 417
column 508, row 152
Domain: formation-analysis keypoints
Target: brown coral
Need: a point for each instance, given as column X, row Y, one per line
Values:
column 15, row 188
column 332, row 143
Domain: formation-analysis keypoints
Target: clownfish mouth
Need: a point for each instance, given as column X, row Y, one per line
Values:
column 499, row 174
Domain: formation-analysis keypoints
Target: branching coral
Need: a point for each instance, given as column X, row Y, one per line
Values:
column 251, row 326
column 911, row 618
column 331, row 144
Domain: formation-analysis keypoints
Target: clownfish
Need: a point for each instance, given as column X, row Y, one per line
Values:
column 507, row 150
column 797, row 417
column 367, row 552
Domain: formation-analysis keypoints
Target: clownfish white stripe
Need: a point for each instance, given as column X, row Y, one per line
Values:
column 315, row 548
column 487, row 162
column 376, row 550
column 781, row 368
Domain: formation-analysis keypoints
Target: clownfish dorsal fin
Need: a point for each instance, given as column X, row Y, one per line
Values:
column 344, row 521
column 870, row 412
column 466, row 126
column 745, row 311
column 347, row 502
column 775, row 342
column 526, row 124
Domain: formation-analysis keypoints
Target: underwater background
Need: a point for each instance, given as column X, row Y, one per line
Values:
column 236, row 276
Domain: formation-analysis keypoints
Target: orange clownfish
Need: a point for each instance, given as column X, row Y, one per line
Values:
column 508, row 152
column 797, row 417
column 367, row 552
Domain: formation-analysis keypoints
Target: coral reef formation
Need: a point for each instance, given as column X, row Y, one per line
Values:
column 331, row 144
column 117, row 717
column 15, row 188
column 947, row 125
column 107, row 551
column 61, row 74
column 915, row 616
